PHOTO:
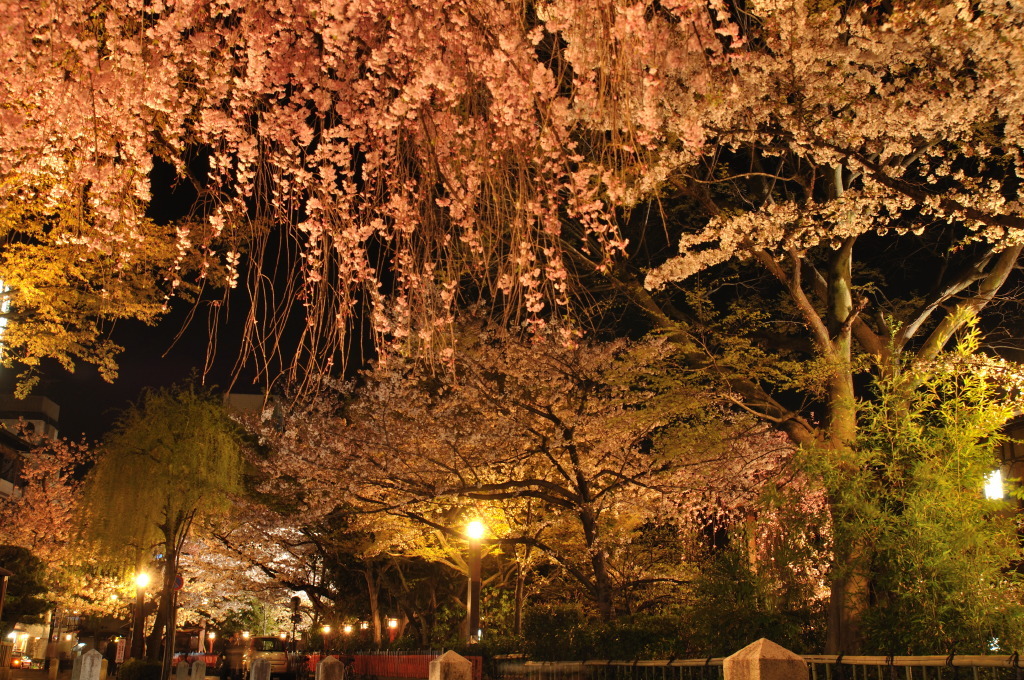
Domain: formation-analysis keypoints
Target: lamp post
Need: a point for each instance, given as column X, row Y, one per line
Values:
column 4, row 575
column 326, row 630
column 392, row 629
column 994, row 485
column 139, row 623
column 474, row 532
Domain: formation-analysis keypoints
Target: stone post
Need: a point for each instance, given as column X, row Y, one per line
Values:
column 763, row 660
column 260, row 670
column 330, row 669
column 76, row 668
column 181, row 670
column 451, row 666
column 91, row 665
column 104, row 669
column 198, row 670
column 53, row 668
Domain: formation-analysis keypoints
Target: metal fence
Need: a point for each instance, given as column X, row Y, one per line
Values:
column 819, row 667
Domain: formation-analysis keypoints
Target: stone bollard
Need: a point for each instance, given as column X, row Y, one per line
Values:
column 260, row 670
column 104, row 669
column 53, row 668
column 76, row 668
column 451, row 666
column 330, row 669
column 91, row 665
column 198, row 670
column 764, row 660
column 181, row 670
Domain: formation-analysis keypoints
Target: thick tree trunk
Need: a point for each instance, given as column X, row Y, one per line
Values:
column 847, row 602
column 373, row 592
column 153, row 640
column 520, row 597
column 603, row 596
column 848, row 598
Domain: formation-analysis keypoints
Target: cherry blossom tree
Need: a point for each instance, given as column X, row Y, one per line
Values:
column 384, row 163
column 572, row 451
column 45, row 519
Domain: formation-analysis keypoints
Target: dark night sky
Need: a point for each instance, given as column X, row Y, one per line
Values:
column 89, row 405
column 152, row 357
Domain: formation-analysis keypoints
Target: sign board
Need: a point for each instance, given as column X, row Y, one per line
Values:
column 119, row 658
column 179, row 582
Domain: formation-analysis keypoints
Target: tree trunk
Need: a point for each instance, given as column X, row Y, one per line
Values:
column 603, row 595
column 373, row 591
column 520, row 596
column 153, row 640
column 848, row 599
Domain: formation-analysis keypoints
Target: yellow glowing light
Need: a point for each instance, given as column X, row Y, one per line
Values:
column 348, row 629
column 326, row 630
column 142, row 579
column 392, row 623
column 245, row 634
column 475, row 530
column 994, row 485
column 211, row 635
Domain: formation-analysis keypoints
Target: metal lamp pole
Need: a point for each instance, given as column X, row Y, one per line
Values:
column 139, row 624
column 474, row 531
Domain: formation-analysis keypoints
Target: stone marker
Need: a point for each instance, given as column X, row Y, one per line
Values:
column 51, row 670
column 104, row 669
column 181, row 670
column 330, row 669
column 763, row 660
column 76, row 668
column 198, row 670
column 92, row 665
column 260, row 670
column 451, row 666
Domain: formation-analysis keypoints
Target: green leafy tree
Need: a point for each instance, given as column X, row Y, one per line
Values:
column 25, row 601
column 171, row 460
column 911, row 492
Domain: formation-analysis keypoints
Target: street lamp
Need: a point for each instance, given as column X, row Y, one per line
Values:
column 326, row 630
column 474, row 531
column 994, row 485
column 139, row 623
column 392, row 629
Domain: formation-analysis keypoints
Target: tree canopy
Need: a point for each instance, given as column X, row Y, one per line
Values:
column 172, row 460
column 794, row 193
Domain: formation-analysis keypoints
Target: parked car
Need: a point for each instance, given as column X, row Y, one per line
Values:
column 273, row 649
column 20, row 660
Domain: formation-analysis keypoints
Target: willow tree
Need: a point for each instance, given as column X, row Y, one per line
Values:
column 171, row 460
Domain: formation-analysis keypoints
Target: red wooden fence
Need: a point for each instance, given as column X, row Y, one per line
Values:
column 397, row 666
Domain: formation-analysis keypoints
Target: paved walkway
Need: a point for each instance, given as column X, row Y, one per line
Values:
column 25, row 674
column 20, row 674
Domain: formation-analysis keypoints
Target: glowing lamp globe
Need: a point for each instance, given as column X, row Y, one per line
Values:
column 475, row 530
